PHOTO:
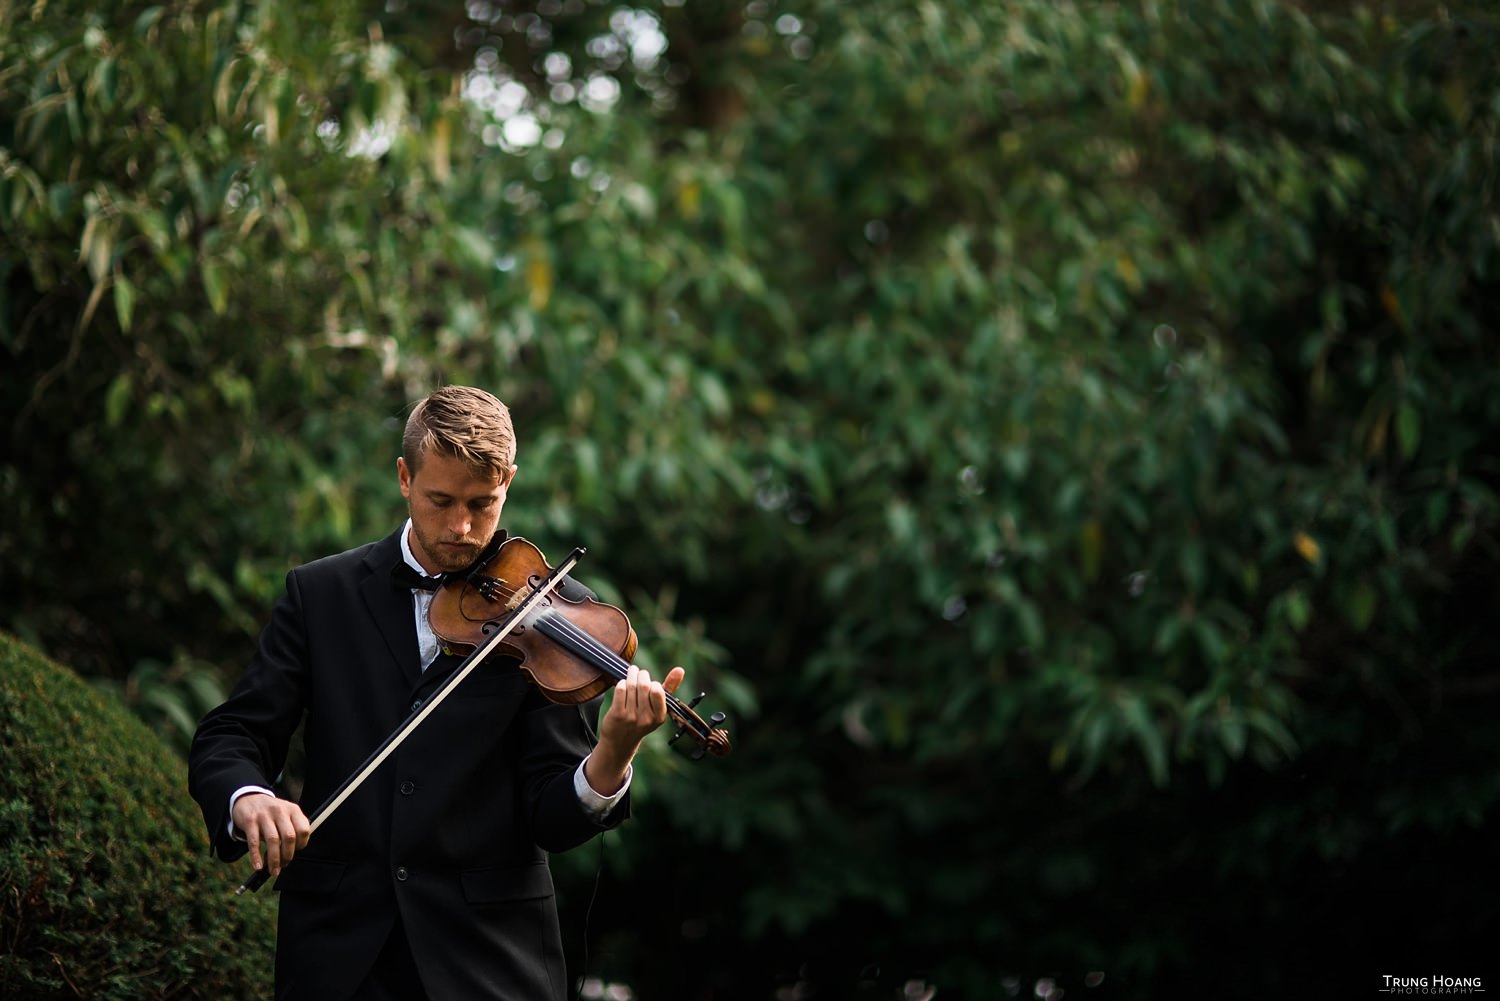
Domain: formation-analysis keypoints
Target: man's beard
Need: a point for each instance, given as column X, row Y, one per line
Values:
column 448, row 560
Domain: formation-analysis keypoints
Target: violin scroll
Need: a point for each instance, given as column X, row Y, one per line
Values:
column 717, row 742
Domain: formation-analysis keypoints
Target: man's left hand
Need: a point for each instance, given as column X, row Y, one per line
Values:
column 639, row 706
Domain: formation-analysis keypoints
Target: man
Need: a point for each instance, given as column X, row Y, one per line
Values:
column 431, row 880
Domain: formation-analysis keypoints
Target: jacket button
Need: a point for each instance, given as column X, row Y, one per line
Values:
column 416, row 705
column 401, row 873
column 408, row 787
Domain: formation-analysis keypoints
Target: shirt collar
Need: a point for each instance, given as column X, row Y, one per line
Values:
column 406, row 553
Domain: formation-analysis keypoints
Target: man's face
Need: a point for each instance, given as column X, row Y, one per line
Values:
column 453, row 512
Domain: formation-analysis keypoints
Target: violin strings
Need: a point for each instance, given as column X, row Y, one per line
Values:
column 609, row 661
column 616, row 665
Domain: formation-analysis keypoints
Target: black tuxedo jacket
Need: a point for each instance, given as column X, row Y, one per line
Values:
column 451, row 833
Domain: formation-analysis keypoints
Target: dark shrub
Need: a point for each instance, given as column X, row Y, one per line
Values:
column 106, row 885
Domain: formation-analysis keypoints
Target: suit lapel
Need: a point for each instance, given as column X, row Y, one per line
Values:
column 390, row 607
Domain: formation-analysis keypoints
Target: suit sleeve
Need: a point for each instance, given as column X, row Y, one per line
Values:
column 554, row 739
column 244, row 741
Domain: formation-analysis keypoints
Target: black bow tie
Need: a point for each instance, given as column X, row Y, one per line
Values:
column 402, row 575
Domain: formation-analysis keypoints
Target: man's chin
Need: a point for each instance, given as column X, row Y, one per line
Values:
column 451, row 560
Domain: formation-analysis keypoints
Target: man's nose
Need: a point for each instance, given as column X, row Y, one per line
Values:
column 459, row 523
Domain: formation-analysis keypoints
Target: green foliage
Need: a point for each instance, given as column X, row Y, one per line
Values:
column 107, row 889
column 171, row 698
column 1073, row 362
column 202, row 232
column 1063, row 435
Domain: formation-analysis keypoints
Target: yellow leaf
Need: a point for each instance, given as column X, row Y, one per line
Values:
column 1137, row 89
column 96, row 246
column 442, row 141
column 272, row 122
column 1308, row 547
column 539, row 281
column 690, row 199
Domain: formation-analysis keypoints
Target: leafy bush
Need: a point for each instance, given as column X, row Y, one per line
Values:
column 107, row 889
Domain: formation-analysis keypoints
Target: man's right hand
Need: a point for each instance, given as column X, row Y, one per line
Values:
column 278, row 823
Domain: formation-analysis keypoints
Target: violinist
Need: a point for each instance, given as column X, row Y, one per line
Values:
column 432, row 880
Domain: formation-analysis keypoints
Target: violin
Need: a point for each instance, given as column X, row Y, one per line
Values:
column 572, row 648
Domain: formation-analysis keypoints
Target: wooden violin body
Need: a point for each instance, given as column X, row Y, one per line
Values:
column 573, row 648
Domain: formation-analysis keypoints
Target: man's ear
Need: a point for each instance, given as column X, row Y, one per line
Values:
column 403, row 477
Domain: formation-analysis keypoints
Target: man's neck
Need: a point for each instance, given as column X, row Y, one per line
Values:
column 409, row 554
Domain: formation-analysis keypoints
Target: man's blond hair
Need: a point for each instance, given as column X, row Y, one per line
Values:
column 464, row 423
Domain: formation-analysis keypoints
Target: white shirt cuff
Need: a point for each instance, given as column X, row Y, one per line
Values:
column 593, row 802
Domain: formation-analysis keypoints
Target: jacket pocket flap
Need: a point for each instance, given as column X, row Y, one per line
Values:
column 502, row 884
column 310, row 875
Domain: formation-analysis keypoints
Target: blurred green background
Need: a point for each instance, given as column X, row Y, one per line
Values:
column 1064, row 437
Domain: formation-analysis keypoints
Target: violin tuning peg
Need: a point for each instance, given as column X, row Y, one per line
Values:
column 717, row 718
column 697, row 700
column 681, row 729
